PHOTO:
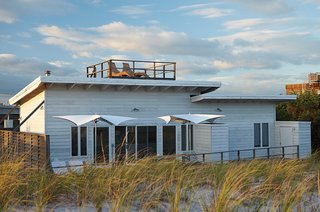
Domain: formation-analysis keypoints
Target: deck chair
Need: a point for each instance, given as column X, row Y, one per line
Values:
column 116, row 73
column 75, row 165
column 59, row 167
column 127, row 69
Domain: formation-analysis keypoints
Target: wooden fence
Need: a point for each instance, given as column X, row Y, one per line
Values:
column 32, row 148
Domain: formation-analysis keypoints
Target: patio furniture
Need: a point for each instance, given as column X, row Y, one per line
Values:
column 127, row 69
column 116, row 73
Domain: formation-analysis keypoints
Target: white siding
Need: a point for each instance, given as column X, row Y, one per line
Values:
column 240, row 116
column 36, row 122
column 220, row 141
column 295, row 133
column 211, row 138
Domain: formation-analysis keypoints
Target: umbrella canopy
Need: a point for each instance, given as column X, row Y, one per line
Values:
column 190, row 118
column 82, row 119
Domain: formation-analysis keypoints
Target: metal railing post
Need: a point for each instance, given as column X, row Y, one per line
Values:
column 221, row 157
column 298, row 151
column 254, row 153
column 268, row 153
column 204, row 157
column 238, row 155
column 283, row 152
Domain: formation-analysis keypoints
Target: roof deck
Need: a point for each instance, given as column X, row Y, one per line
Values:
column 133, row 69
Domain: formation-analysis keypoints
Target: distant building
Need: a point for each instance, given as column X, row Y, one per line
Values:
column 8, row 122
column 312, row 85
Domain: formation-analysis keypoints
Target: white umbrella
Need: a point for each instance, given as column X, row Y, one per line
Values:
column 190, row 118
column 83, row 119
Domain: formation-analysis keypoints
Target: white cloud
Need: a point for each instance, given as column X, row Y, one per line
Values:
column 7, row 56
column 133, row 10
column 18, row 72
column 248, row 24
column 120, row 37
column 7, row 16
column 253, row 83
column 270, row 7
column 59, row 63
column 11, row 11
column 205, row 10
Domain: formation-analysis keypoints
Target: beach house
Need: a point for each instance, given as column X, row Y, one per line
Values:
column 146, row 90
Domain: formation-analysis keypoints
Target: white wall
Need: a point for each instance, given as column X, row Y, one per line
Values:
column 36, row 122
column 240, row 116
column 294, row 133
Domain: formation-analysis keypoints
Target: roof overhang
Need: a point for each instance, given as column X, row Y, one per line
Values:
column 234, row 98
column 42, row 82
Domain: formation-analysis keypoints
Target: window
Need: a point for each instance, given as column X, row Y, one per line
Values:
column 186, row 145
column 78, row 141
column 147, row 141
column 169, row 140
column 261, row 134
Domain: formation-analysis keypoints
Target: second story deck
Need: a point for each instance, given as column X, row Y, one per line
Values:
column 135, row 69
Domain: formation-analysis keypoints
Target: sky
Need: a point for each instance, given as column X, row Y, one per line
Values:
column 253, row 47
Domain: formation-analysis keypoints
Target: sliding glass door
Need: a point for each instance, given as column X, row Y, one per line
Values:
column 169, row 140
column 146, row 141
column 102, row 144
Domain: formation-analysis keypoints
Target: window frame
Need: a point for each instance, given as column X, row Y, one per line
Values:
column 263, row 133
column 79, row 141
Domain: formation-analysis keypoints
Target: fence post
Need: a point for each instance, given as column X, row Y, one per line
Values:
column 283, row 152
column 254, row 153
column 268, row 153
column 298, row 152
column 204, row 157
column 238, row 155
column 221, row 157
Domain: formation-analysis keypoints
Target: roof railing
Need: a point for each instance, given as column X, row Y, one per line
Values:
column 134, row 69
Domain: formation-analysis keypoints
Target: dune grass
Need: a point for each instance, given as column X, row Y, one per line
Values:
column 168, row 185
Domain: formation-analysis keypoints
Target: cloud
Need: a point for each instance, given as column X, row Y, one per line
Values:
column 11, row 11
column 270, row 7
column 7, row 16
column 18, row 72
column 253, row 83
column 268, row 49
column 120, row 38
column 133, row 10
column 250, row 23
column 205, row 10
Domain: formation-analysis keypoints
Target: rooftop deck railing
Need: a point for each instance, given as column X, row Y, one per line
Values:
column 135, row 69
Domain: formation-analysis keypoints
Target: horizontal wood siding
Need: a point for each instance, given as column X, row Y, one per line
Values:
column 304, row 139
column 240, row 116
column 35, row 123
column 220, row 141
column 202, row 140
column 300, row 135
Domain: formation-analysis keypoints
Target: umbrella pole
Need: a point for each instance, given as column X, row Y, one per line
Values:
column 187, row 137
column 95, row 142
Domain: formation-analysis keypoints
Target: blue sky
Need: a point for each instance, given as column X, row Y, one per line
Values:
column 252, row 47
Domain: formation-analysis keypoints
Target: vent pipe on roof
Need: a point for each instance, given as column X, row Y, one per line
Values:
column 47, row 73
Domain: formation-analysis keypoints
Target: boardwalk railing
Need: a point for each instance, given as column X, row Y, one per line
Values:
column 31, row 147
column 244, row 154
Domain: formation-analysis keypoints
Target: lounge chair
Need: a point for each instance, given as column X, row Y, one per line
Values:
column 116, row 73
column 127, row 69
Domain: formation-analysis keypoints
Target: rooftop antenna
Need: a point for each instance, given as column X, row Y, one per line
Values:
column 47, row 73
